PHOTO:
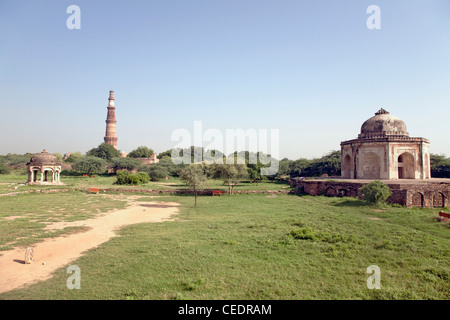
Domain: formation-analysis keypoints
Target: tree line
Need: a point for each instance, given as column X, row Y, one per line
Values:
column 98, row 159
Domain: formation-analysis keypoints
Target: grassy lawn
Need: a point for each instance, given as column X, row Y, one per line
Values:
column 23, row 217
column 14, row 183
column 259, row 246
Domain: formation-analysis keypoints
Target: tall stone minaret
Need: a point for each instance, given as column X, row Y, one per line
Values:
column 111, row 136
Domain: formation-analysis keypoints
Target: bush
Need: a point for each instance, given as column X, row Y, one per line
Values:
column 124, row 177
column 156, row 171
column 4, row 169
column 376, row 192
column 143, row 176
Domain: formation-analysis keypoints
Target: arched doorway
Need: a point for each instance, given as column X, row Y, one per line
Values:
column 438, row 200
column 371, row 166
column 417, row 200
column 48, row 175
column 405, row 165
column 346, row 167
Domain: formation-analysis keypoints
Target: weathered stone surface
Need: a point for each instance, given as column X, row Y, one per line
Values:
column 385, row 151
column 29, row 255
column 431, row 193
column 44, row 168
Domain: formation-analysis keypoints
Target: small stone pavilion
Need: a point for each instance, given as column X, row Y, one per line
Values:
column 384, row 150
column 44, row 169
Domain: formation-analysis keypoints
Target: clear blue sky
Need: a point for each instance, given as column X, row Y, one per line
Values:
column 311, row 69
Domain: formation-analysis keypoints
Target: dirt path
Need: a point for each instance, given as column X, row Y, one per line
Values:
column 57, row 252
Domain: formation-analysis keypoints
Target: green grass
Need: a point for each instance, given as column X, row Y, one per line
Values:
column 14, row 183
column 23, row 217
column 257, row 246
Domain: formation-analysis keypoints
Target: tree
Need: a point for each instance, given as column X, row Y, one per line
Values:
column 174, row 170
column 329, row 164
column 156, row 171
column 439, row 166
column 125, row 164
column 231, row 174
column 167, row 153
column 376, row 192
column 104, row 151
column 58, row 156
column 298, row 167
column 89, row 165
column 195, row 178
column 141, row 152
column 4, row 169
column 73, row 156
column 284, row 166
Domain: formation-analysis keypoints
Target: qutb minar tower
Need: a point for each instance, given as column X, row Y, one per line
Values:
column 111, row 135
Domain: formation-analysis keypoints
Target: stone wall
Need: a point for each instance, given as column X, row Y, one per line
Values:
column 416, row 194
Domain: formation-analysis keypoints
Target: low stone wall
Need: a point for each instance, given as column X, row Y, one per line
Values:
column 33, row 191
column 204, row 192
column 420, row 193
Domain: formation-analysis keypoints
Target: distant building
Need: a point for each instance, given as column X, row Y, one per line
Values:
column 152, row 160
column 385, row 151
column 111, row 134
column 123, row 154
column 44, row 168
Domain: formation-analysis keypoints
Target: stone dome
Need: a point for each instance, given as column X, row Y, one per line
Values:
column 44, row 158
column 381, row 125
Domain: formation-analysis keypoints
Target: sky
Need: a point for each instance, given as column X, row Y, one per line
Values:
column 312, row 70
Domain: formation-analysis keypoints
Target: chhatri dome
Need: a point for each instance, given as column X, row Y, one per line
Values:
column 384, row 150
column 383, row 124
column 44, row 168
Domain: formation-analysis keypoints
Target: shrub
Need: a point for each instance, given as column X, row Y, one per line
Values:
column 4, row 169
column 156, row 171
column 376, row 192
column 124, row 177
column 143, row 176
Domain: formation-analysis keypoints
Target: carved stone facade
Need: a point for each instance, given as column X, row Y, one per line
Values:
column 44, row 168
column 385, row 151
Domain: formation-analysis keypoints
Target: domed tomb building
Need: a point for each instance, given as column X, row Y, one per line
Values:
column 44, row 168
column 385, row 151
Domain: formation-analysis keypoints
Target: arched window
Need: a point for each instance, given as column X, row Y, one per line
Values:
column 405, row 165
column 346, row 167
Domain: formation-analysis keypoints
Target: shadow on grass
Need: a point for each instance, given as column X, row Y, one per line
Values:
column 250, row 182
column 157, row 206
column 352, row 203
